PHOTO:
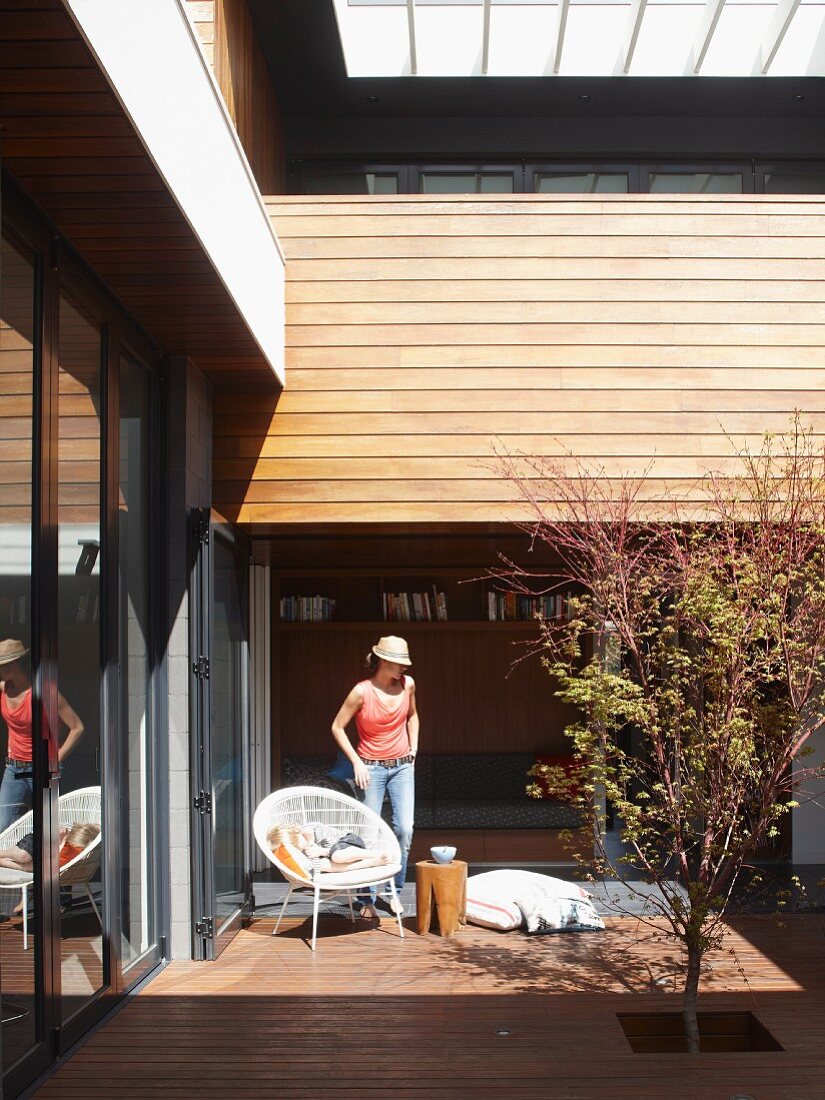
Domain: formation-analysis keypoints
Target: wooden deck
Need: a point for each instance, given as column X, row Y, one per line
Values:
column 372, row 1015
column 82, row 973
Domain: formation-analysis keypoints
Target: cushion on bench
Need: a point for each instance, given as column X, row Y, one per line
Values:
column 458, row 791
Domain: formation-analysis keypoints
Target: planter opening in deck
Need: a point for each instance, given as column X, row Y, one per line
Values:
column 719, row 1032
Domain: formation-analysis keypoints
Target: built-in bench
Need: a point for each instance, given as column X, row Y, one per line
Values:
column 477, row 801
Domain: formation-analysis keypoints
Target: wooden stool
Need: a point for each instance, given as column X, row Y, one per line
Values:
column 448, row 881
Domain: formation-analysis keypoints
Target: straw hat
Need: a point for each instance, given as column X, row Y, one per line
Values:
column 10, row 650
column 392, row 649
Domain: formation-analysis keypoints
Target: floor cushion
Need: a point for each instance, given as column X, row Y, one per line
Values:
column 543, row 903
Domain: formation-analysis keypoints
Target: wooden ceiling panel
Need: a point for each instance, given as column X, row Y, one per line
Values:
column 71, row 148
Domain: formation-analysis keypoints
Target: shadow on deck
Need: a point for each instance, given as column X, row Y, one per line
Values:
column 370, row 1014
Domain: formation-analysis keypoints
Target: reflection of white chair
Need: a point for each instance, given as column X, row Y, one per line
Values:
column 313, row 805
column 76, row 808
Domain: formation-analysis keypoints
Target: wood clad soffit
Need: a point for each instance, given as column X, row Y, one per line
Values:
column 68, row 143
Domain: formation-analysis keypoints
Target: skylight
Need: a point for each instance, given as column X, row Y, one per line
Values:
column 582, row 37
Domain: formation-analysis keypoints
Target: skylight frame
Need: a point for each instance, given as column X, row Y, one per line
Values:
column 395, row 38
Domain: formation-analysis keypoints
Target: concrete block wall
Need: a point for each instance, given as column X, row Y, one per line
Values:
column 189, row 434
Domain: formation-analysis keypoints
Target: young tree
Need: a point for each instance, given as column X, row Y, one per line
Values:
column 699, row 638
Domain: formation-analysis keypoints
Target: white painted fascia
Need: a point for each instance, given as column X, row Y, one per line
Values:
column 149, row 53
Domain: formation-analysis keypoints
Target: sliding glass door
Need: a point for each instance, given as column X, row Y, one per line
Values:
column 137, row 806
column 20, row 828
column 220, row 617
column 79, row 648
column 76, row 746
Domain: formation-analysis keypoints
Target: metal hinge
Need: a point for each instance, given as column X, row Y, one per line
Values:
column 203, row 928
column 203, row 802
column 201, row 667
column 201, row 524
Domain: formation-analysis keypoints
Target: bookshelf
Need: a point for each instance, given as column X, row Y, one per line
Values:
column 412, row 599
column 475, row 696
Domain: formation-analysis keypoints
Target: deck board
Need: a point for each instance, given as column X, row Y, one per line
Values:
column 370, row 1014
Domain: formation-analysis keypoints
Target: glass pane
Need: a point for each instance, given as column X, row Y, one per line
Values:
column 79, row 677
column 791, row 183
column 696, row 183
column 466, row 183
column 226, row 676
column 582, row 183
column 135, row 723
column 350, row 183
column 17, row 965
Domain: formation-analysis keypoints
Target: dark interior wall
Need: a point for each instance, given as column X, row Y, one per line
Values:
column 393, row 137
column 328, row 115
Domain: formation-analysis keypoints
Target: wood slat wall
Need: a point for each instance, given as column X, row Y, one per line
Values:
column 420, row 329
column 229, row 41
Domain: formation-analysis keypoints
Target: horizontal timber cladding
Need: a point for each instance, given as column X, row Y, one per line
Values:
column 426, row 333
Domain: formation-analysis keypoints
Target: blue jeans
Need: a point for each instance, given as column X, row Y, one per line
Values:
column 16, row 793
column 398, row 784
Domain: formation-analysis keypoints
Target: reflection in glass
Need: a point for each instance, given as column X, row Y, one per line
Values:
column 227, row 725
column 582, row 183
column 135, row 725
column 696, row 183
column 466, row 183
column 350, row 183
column 18, row 960
column 794, row 183
column 79, row 664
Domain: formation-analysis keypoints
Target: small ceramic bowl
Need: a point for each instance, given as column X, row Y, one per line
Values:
column 443, row 853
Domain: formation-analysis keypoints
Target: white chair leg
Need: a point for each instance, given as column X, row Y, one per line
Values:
column 25, row 895
column 315, row 916
column 94, row 905
column 394, row 896
column 351, row 909
column 283, row 908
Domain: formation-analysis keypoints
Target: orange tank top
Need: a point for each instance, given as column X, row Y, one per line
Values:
column 382, row 724
column 19, row 724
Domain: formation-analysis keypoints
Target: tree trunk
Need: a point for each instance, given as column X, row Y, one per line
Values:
column 689, row 1005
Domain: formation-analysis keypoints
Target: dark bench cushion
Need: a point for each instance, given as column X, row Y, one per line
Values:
column 468, row 791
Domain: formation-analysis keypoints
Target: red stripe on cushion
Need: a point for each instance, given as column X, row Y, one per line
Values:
column 515, row 911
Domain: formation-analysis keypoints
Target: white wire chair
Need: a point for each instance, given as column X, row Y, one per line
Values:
column 313, row 805
column 79, row 807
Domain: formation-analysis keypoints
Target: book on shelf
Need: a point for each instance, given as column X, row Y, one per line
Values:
column 13, row 610
column 414, row 607
column 513, row 607
column 307, row 609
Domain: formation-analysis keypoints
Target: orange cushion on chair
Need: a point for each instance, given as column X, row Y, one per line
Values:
column 68, row 852
column 291, row 860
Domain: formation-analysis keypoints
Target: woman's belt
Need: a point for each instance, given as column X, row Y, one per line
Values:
column 18, row 763
column 388, row 763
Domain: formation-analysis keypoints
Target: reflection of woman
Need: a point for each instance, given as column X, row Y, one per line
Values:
column 17, row 788
column 387, row 722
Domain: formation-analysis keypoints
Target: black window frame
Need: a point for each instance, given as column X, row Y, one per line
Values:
column 697, row 167
column 504, row 168
column 581, row 168
column 300, row 169
column 765, row 168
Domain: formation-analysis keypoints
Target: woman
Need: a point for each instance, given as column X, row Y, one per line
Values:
column 387, row 722
column 72, row 841
column 326, row 849
column 16, row 790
